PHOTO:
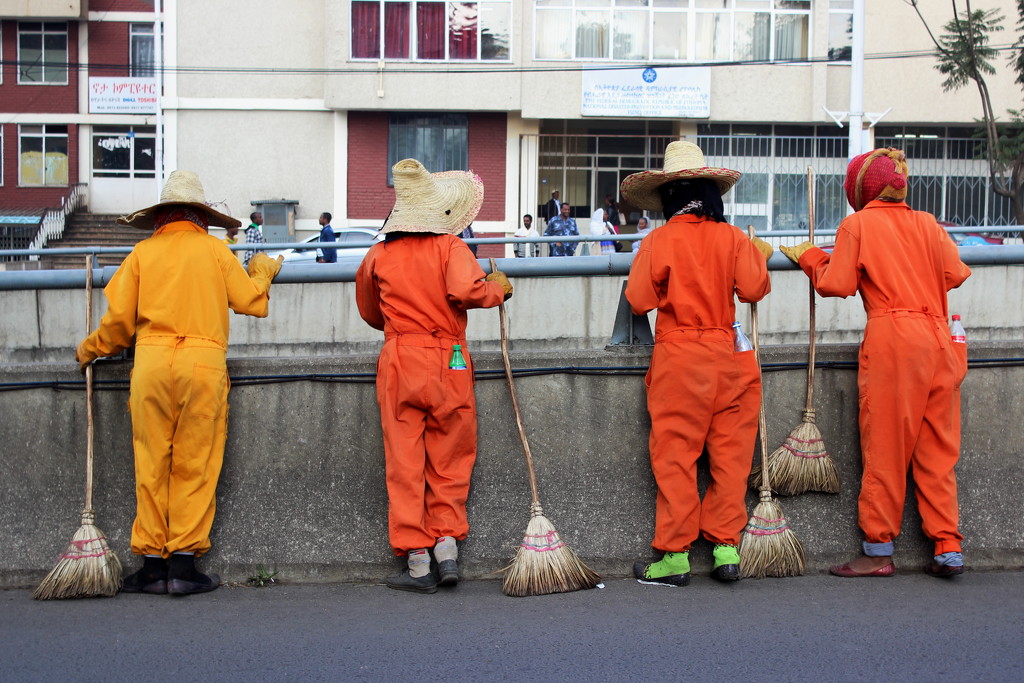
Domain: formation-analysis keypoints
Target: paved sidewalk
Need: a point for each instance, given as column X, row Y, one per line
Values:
column 815, row 628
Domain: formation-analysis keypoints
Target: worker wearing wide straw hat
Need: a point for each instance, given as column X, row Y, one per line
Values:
column 416, row 286
column 172, row 294
column 902, row 263
column 701, row 393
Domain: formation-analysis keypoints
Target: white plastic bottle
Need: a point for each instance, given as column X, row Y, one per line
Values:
column 740, row 341
column 956, row 331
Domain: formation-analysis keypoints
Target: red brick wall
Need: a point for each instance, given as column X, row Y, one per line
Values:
column 487, row 139
column 120, row 6
column 369, row 196
column 14, row 197
column 108, row 48
column 58, row 99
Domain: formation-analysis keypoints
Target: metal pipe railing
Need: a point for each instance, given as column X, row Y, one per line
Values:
column 629, row 238
column 575, row 266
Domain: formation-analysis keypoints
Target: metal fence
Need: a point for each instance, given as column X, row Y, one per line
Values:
column 949, row 176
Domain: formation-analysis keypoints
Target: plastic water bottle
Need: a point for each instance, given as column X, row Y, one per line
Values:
column 957, row 333
column 740, row 341
column 458, row 361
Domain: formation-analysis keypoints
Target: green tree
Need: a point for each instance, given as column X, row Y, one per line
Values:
column 965, row 55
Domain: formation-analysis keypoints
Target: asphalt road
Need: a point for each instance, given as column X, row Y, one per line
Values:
column 815, row 628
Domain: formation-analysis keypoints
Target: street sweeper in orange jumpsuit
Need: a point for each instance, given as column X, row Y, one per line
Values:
column 902, row 262
column 171, row 295
column 701, row 392
column 416, row 286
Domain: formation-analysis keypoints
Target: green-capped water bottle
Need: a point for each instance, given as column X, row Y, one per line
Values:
column 458, row 361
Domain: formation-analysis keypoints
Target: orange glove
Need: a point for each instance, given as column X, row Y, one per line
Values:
column 82, row 357
column 794, row 253
column 766, row 249
column 501, row 279
column 262, row 265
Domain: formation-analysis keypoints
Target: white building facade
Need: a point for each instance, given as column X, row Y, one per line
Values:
column 313, row 101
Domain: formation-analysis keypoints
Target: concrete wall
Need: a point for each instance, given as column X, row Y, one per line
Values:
column 303, row 491
column 546, row 314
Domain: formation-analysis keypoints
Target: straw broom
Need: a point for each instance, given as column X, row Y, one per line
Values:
column 801, row 463
column 768, row 547
column 88, row 568
column 543, row 563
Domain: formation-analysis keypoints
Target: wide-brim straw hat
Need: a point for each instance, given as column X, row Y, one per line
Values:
column 445, row 202
column 682, row 160
column 182, row 189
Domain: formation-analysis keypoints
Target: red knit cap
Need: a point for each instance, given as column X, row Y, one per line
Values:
column 880, row 174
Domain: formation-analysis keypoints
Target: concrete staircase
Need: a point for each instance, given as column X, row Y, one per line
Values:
column 93, row 230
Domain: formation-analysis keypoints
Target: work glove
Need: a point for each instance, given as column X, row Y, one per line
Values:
column 766, row 249
column 501, row 279
column 262, row 266
column 83, row 357
column 794, row 253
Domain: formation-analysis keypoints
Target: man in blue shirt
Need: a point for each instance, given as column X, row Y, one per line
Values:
column 326, row 235
column 562, row 225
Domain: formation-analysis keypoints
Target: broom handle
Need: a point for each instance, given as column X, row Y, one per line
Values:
column 761, row 422
column 534, row 495
column 89, row 427
column 811, row 343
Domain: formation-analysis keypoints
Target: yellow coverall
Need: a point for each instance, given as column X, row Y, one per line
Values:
column 172, row 293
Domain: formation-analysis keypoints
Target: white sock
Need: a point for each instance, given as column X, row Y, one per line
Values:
column 446, row 549
column 419, row 563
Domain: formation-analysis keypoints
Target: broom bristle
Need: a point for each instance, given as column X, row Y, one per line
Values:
column 545, row 564
column 768, row 547
column 87, row 569
column 800, row 464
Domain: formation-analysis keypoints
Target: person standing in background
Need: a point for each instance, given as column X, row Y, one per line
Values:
column 326, row 235
column 253, row 235
column 524, row 249
column 562, row 225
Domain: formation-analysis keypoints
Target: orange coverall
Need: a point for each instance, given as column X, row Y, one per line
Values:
column 700, row 392
column 417, row 289
column 902, row 263
column 172, row 293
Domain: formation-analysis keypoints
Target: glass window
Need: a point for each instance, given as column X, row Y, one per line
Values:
column 669, row 35
column 840, row 30
column 123, row 152
column 753, row 36
column 43, row 155
column 142, row 51
column 42, row 53
column 439, row 141
column 431, row 30
column 672, row 30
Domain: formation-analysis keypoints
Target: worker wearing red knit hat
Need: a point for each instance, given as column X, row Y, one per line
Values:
column 902, row 263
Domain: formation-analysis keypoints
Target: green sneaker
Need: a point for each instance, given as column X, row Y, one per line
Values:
column 727, row 563
column 673, row 569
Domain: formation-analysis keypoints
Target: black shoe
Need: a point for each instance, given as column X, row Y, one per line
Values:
column 152, row 578
column 675, row 580
column 404, row 582
column 448, row 570
column 943, row 571
column 726, row 573
column 184, row 579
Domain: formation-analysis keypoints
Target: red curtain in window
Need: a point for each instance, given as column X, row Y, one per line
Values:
column 366, row 30
column 396, row 30
column 430, row 29
column 462, row 22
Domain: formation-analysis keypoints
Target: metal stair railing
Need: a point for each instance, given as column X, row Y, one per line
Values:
column 52, row 225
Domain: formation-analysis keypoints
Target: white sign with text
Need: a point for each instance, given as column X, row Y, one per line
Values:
column 648, row 92
column 122, row 95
